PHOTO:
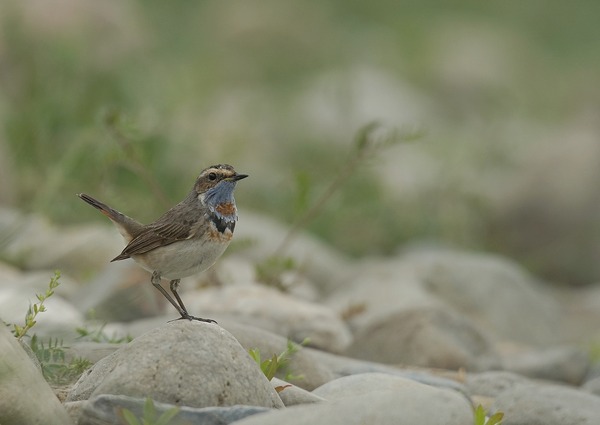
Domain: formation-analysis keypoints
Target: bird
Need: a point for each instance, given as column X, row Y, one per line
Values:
column 185, row 240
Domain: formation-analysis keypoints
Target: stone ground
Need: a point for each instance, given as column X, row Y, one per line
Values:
column 418, row 338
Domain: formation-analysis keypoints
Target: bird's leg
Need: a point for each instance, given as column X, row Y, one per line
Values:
column 156, row 282
column 174, row 286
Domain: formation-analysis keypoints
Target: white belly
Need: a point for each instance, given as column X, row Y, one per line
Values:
column 183, row 258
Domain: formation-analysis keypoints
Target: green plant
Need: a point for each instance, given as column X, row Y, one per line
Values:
column 594, row 351
column 480, row 417
column 369, row 140
column 36, row 308
column 98, row 335
column 272, row 365
column 149, row 415
column 270, row 270
column 52, row 360
column 51, row 355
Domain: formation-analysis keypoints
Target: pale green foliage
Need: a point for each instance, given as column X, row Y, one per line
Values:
column 98, row 335
column 594, row 351
column 36, row 308
column 369, row 140
column 272, row 365
column 270, row 270
column 480, row 417
column 51, row 355
column 52, row 360
column 149, row 415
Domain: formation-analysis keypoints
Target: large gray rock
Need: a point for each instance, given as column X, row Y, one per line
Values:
column 428, row 336
column 342, row 366
column 34, row 242
column 321, row 262
column 408, row 404
column 292, row 395
column 275, row 311
column 492, row 383
column 547, row 405
column 121, row 291
column 364, row 383
column 25, row 396
column 102, row 410
column 592, row 386
column 495, row 292
column 92, row 351
column 378, row 288
column 304, row 363
column 582, row 314
column 565, row 364
column 185, row 363
column 60, row 315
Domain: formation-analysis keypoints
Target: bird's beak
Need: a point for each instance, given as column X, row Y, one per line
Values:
column 239, row 177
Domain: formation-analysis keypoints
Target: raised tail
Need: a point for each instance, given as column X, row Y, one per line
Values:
column 127, row 226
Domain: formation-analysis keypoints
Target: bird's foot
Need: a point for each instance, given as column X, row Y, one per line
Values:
column 190, row 318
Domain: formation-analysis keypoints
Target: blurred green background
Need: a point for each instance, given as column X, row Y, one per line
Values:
column 129, row 100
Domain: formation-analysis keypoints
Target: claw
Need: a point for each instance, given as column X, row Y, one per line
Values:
column 190, row 318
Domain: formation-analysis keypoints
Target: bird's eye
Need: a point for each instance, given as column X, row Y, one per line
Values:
column 212, row 176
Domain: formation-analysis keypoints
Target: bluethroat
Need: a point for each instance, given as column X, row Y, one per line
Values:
column 185, row 240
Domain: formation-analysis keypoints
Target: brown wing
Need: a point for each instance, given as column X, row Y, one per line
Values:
column 156, row 235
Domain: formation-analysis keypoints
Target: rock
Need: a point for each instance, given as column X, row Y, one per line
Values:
column 409, row 404
column 35, row 243
column 234, row 269
column 92, row 351
column 18, row 291
column 492, row 383
column 171, row 363
column 60, row 316
column 25, row 396
column 292, row 395
column 321, row 263
column 428, row 337
column 548, row 405
column 102, row 410
column 582, row 313
column 275, row 311
column 565, row 364
column 74, row 409
column 364, row 383
column 548, row 217
column 35, row 281
column 303, row 363
column 342, row 366
column 592, row 386
column 495, row 292
column 121, row 291
column 378, row 288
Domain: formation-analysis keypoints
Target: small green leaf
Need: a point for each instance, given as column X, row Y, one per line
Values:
column 291, row 377
column 166, row 417
column 272, row 367
column 479, row 416
column 149, row 410
column 255, row 354
column 495, row 419
column 265, row 365
column 129, row 417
